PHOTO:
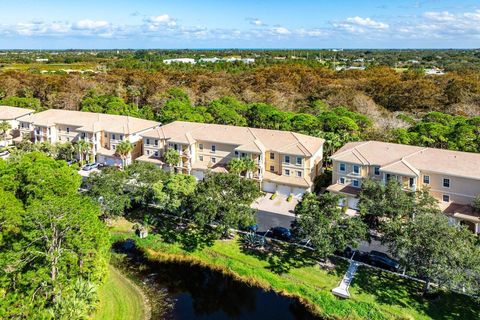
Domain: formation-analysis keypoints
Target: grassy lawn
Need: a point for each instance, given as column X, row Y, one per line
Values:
column 119, row 299
column 291, row 271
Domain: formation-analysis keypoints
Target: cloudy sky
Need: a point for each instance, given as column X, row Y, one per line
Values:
column 239, row 24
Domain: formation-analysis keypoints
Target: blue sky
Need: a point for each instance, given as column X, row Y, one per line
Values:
column 239, row 24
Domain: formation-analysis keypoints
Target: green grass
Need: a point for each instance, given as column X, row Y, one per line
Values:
column 292, row 271
column 119, row 299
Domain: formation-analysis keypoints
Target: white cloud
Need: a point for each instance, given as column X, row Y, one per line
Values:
column 161, row 20
column 255, row 22
column 367, row 22
column 280, row 30
column 88, row 24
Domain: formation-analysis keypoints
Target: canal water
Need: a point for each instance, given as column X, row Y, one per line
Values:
column 181, row 292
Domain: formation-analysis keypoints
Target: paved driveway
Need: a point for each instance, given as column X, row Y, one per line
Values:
column 266, row 220
column 279, row 205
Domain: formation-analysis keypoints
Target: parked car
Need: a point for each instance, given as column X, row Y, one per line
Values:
column 71, row 162
column 281, row 233
column 357, row 255
column 251, row 228
column 383, row 260
column 90, row 166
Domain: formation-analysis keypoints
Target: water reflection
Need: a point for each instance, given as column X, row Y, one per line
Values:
column 200, row 293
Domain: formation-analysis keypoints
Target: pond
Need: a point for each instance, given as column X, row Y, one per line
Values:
column 193, row 292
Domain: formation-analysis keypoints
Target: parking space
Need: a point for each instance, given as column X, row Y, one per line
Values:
column 279, row 205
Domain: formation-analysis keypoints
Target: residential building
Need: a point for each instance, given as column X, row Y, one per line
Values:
column 452, row 177
column 179, row 60
column 103, row 131
column 12, row 115
column 287, row 162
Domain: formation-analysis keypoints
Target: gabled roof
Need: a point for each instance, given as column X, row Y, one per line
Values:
column 410, row 160
column 90, row 122
column 254, row 139
column 13, row 113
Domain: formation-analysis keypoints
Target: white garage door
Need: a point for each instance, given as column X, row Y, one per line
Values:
column 353, row 203
column 284, row 190
column 198, row 174
column 269, row 187
column 298, row 192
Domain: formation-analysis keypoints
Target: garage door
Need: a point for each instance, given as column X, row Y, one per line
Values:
column 269, row 187
column 198, row 174
column 298, row 192
column 284, row 190
column 353, row 203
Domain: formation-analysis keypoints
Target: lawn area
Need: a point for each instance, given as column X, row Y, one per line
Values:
column 119, row 299
column 292, row 271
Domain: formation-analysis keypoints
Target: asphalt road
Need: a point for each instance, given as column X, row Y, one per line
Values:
column 266, row 220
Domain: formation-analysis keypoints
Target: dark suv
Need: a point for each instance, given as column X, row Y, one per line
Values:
column 281, row 233
column 382, row 260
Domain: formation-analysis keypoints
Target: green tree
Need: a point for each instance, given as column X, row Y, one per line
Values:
column 142, row 177
column 235, row 166
column 434, row 250
column 4, row 128
column 320, row 220
column 20, row 102
column 65, row 151
column 172, row 157
column 476, row 203
column 107, row 188
column 170, row 194
column 82, row 148
column 223, row 199
column 124, row 149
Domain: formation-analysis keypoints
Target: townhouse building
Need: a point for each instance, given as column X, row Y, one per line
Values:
column 286, row 162
column 452, row 177
column 102, row 131
column 12, row 116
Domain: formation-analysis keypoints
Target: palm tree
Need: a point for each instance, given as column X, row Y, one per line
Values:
column 249, row 166
column 4, row 127
column 123, row 150
column 82, row 147
column 236, row 166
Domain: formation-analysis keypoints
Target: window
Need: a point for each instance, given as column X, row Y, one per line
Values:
column 299, row 161
column 113, row 146
column 200, row 158
column 355, row 183
column 121, row 137
column 287, row 172
column 214, row 148
column 244, row 154
column 343, row 167
column 68, row 130
column 214, row 160
column 148, row 152
column 113, row 136
column 287, row 159
column 412, row 182
column 106, row 135
column 272, row 156
column 446, row 198
column 342, row 180
column 446, row 183
column 356, row 169
column 272, row 168
column 83, row 135
column 236, row 153
column 376, row 171
column 148, row 142
column 156, row 143
column 156, row 153
column 426, row 179
column 200, row 146
column 68, row 139
column 299, row 174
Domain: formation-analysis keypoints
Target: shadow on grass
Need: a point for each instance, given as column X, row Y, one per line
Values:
column 391, row 289
column 281, row 257
column 174, row 230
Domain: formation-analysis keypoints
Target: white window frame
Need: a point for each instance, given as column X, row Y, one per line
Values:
column 358, row 168
column 299, row 174
column 272, row 156
column 213, row 159
column 428, row 179
column 375, row 172
column 301, row 161
column 200, row 158
column 213, row 148
column 341, row 180
column 340, row 167
column 449, row 183
column 356, row 181
column 272, row 168
column 147, row 142
column 443, row 198
column 200, row 147
column 286, row 172
column 285, row 159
